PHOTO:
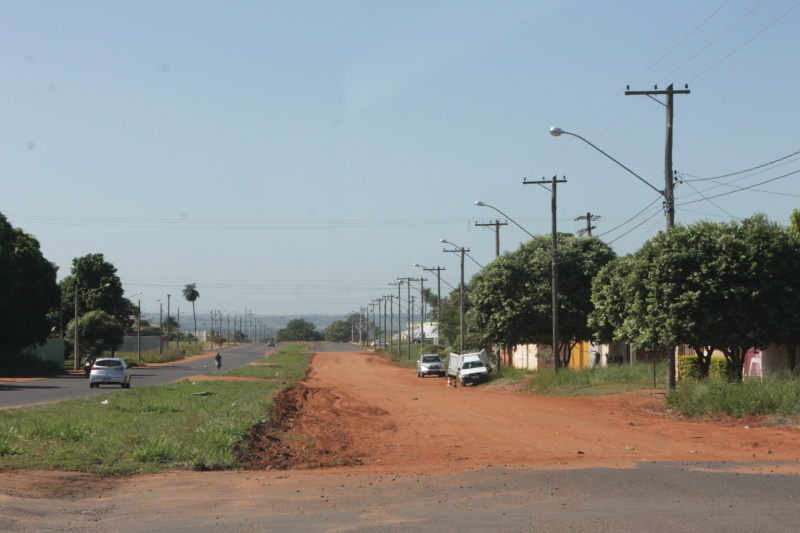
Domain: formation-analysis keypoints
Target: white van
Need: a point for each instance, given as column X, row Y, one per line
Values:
column 469, row 367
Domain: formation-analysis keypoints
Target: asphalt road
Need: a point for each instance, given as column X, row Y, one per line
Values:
column 28, row 392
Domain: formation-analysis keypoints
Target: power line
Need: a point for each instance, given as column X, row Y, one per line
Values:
column 743, row 171
column 712, row 203
column 740, row 189
column 747, row 41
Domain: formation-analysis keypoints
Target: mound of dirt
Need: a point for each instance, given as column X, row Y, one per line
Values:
column 307, row 428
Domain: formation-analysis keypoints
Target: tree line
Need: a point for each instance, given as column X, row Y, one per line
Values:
column 33, row 305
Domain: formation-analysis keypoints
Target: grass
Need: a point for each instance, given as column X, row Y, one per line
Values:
column 508, row 372
column 402, row 358
column 773, row 395
column 144, row 429
column 596, row 381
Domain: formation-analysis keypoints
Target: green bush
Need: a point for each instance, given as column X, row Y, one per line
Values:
column 689, row 368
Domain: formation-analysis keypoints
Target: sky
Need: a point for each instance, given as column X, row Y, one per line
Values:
column 297, row 157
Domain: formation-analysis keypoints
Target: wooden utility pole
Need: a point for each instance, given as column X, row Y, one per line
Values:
column 669, row 196
column 438, row 271
column 462, row 251
column 589, row 218
column 669, row 180
column 496, row 225
column 554, row 265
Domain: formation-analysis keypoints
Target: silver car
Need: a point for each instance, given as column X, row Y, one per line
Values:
column 430, row 364
column 110, row 371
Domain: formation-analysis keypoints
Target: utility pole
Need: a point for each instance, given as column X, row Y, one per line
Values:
column 589, row 218
column 462, row 251
column 168, row 324
column 75, row 350
column 554, row 268
column 408, row 281
column 385, row 319
column 438, row 271
column 422, row 312
column 160, row 327
column 496, row 225
column 669, row 196
column 399, row 316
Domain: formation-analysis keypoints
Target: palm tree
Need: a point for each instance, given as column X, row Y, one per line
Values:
column 191, row 294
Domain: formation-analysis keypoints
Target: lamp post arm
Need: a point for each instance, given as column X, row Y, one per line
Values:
column 481, row 204
column 614, row 160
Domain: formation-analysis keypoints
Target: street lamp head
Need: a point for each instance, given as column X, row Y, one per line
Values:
column 416, row 264
column 555, row 132
column 480, row 203
column 445, row 241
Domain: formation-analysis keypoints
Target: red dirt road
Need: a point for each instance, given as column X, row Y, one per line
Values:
column 471, row 427
column 420, row 442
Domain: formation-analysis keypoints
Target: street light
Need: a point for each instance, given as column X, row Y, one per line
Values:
column 463, row 252
column 669, row 203
column 75, row 353
column 557, row 132
column 481, row 204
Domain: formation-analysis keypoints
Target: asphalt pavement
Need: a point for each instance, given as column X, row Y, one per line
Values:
column 47, row 390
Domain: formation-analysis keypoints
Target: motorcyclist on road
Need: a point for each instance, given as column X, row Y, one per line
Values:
column 218, row 359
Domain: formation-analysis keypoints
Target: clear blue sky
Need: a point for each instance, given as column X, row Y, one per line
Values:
column 298, row 156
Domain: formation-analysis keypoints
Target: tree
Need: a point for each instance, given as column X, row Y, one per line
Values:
column 191, row 294
column 512, row 296
column 91, row 272
column 28, row 291
column 794, row 223
column 343, row 330
column 711, row 285
column 170, row 324
column 98, row 332
column 299, row 329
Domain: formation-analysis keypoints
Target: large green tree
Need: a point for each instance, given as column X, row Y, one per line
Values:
column 191, row 294
column 710, row 285
column 512, row 296
column 28, row 291
column 99, row 288
column 98, row 332
column 299, row 329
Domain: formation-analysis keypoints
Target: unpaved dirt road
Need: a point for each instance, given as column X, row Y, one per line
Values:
column 432, row 458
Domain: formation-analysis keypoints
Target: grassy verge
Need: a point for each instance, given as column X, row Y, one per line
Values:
column 400, row 354
column 508, row 372
column 596, row 381
column 779, row 395
column 145, row 429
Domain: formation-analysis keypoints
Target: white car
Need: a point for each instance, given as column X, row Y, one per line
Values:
column 110, row 371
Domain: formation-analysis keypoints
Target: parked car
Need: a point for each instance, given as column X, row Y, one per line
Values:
column 378, row 344
column 430, row 363
column 110, row 371
column 469, row 367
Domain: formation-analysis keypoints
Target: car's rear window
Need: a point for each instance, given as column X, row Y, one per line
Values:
column 109, row 363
